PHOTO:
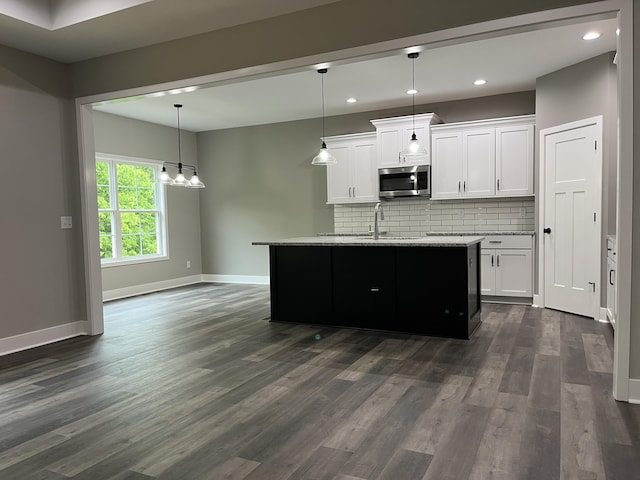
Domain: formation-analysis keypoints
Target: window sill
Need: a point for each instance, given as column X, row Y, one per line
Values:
column 133, row 261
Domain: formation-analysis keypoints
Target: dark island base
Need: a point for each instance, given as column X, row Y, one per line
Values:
column 414, row 290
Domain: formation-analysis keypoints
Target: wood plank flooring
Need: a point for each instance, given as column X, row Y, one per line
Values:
column 195, row 383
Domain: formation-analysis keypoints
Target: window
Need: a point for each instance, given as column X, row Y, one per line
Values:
column 131, row 210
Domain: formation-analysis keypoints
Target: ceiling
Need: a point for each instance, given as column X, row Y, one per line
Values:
column 508, row 64
column 73, row 30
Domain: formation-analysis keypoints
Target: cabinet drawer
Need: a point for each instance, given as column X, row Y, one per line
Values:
column 507, row 241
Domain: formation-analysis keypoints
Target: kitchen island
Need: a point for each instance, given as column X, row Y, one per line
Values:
column 418, row 285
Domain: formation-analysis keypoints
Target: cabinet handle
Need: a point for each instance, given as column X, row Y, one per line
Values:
column 495, row 241
column 458, row 186
column 354, row 192
column 399, row 157
column 498, row 184
column 465, row 185
column 375, row 289
column 492, row 260
column 610, row 281
column 497, row 260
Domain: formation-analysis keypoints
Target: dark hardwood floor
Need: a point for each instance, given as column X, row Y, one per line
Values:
column 195, row 383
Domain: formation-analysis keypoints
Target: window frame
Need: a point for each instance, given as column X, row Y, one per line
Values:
column 162, row 224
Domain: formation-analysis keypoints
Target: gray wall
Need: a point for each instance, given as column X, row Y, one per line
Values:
column 580, row 91
column 133, row 138
column 41, row 266
column 262, row 186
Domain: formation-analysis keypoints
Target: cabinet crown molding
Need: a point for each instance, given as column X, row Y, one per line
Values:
column 430, row 118
column 493, row 122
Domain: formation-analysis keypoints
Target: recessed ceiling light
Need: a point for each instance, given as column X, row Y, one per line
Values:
column 591, row 35
column 480, row 81
column 352, row 100
column 412, row 91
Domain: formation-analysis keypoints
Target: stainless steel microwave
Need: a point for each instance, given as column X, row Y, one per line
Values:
column 405, row 181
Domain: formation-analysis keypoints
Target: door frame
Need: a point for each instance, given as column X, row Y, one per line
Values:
column 586, row 122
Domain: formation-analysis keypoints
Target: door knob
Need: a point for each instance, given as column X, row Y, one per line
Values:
column 547, row 230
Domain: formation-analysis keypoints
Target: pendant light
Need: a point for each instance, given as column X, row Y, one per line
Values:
column 180, row 180
column 414, row 148
column 324, row 157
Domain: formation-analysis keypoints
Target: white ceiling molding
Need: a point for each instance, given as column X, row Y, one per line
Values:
column 56, row 14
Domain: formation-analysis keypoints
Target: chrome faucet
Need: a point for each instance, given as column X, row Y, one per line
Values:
column 376, row 228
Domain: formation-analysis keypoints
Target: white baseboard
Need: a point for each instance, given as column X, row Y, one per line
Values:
column 149, row 287
column 603, row 316
column 253, row 279
column 634, row 390
column 28, row 340
column 538, row 301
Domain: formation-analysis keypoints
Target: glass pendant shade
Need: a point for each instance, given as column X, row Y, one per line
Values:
column 324, row 157
column 180, row 180
column 414, row 148
column 165, row 178
column 194, row 181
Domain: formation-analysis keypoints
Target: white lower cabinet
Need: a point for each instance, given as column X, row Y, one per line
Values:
column 354, row 178
column 506, row 266
column 611, row 280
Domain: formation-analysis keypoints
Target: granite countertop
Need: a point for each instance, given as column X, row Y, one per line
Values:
column 524, row 232
column 390, row 241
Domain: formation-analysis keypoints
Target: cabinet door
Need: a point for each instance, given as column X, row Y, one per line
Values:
column 338, row 181
column 478, row 160
column 514, row 160
column 514, row 273
column 611, row 291
column 364, row 288
column 446, row 165
column 301, row 284
column 422, row 134
column 364, row 174
column 389, row 147
column 488, row 272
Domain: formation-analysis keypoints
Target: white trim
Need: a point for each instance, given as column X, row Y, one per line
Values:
column 28, row 340
column 634, row 390
column 144, row 288
column 599, row 123
column 538, row 300
column 89, row 204
column 624, row 208
column 252, row 279
column 603, row 316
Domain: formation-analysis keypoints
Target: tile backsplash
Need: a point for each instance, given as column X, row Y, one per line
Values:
column 416, row 216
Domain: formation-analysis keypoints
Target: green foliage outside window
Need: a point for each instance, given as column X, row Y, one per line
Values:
column 132, row 204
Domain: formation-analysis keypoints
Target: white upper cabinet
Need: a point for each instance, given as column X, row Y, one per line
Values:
column 514, row 160
column 394, row 135
column 483, row 158
column 354, row 178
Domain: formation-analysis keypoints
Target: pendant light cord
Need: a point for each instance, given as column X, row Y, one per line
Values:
column 322, row 83
column 178, row 106
column 413, row 95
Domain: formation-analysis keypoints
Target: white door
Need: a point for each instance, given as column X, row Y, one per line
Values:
column 571, row 223
column 389, row 147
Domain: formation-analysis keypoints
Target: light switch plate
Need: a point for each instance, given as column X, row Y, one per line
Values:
column 66, row 223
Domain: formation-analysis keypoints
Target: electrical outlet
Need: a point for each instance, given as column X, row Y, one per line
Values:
column 66, row 223
column 188, row 263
